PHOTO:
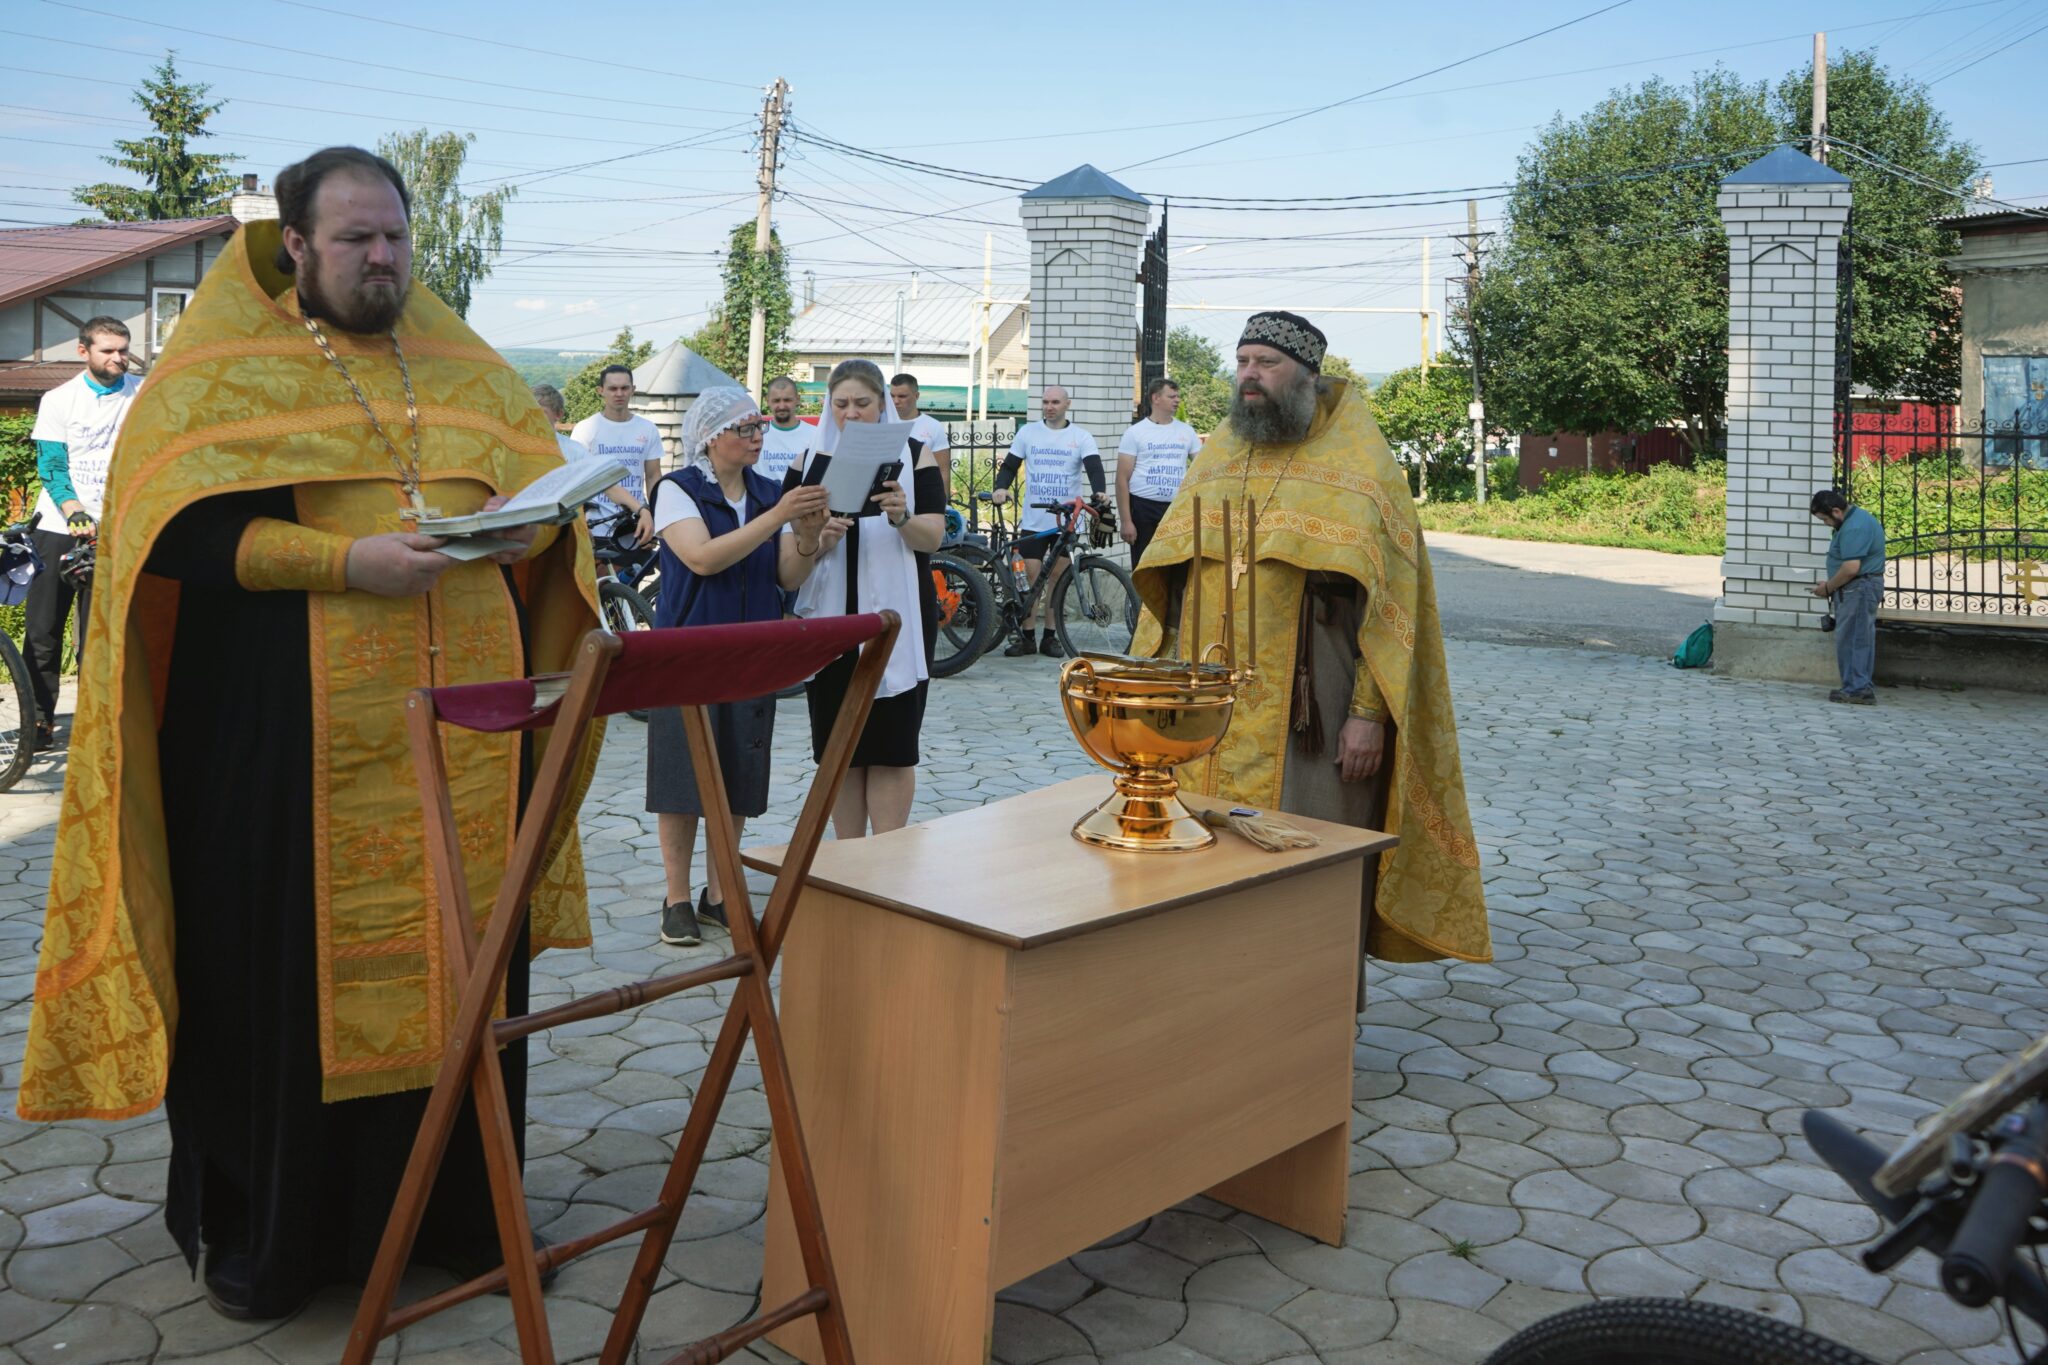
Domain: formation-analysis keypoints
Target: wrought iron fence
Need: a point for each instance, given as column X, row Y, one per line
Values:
column 1964, row 507
column 978, row 451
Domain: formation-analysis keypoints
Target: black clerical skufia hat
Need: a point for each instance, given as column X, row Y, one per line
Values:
column 1290, row 333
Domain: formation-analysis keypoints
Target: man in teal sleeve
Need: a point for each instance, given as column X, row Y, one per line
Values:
column 76, row 423
column 1856, row 581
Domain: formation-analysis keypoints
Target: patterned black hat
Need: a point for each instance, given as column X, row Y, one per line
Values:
column 1289, row 333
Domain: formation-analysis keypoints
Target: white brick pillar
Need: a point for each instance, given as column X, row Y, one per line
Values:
column 1086, row 232
column 1784, row 214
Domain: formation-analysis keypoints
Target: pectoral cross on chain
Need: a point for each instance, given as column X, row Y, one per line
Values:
column 419, row 511
column 1239, row 562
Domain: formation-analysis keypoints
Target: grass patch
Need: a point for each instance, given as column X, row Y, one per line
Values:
column 1672, row 509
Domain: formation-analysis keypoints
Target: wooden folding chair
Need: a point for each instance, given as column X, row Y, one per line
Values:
column 691, row 668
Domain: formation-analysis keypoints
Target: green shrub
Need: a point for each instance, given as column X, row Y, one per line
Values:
column 1671, row 508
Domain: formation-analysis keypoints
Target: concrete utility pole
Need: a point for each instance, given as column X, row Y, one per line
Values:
column 772, row 114
column 899, row 335
column 1424, row 316
column 1478, row 409
column 1820, row 98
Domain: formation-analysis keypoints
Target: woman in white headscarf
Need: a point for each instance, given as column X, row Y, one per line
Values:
column 731, row 543
column 873, row 567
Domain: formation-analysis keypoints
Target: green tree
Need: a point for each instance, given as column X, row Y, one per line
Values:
column 746, row 277
column 178, row 182
column 1423, row 416
column 1605, row 301
column 1196, row 364
column 454, row 235
column 580, row 396
column 1905, row 340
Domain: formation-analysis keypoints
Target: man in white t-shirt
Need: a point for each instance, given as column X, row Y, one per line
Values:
column 614, row 433
column 1055, row 454
column 76, row 424
column 1150, row 460
column 618, row 495
column 787, row 439
column 903, row 392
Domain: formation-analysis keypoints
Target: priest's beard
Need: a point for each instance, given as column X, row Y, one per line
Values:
column 1285, row 415
column 364, row 309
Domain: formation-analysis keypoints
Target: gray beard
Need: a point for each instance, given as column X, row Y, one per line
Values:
column 1282, row 419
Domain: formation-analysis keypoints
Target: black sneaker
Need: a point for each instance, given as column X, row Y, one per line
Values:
column 1020, row 647
column 714, row 913
column 1838, row 695
column 46, row 738
column 1049, row 646
column 679, row 926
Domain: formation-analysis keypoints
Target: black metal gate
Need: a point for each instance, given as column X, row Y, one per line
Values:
column 1152, row 329
column 1964, row 506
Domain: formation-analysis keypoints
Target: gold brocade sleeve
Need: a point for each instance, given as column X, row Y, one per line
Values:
column 1366, row 701
column 283, row 556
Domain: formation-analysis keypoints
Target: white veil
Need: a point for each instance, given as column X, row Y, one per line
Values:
column 828, row 426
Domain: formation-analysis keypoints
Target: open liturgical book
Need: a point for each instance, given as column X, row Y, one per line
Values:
column 553, row 499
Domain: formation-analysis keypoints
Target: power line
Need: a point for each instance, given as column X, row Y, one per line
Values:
column 1956, row 71
column 608, row 62
column 527, row 108
column 1377, row 90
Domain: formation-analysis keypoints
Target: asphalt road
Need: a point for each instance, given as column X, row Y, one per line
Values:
column 1522, row 592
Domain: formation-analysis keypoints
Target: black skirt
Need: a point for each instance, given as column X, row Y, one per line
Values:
column 888, row 740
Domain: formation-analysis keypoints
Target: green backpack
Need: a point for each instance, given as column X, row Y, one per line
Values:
column 1698, row 649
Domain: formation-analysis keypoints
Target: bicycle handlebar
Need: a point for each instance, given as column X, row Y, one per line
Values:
column 1980, row 1256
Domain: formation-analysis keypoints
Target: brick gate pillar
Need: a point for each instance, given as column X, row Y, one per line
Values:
column 1086, row 232
column 1785, row 214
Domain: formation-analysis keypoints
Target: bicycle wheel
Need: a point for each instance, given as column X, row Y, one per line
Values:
column 1668, row 1332
column 1095, row 609
column 623, row 611
column 967, row 615
column 17, row 715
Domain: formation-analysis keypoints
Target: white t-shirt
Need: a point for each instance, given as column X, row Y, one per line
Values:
column 630, row 444
column 780, row 449
column 1052, row 469
column 672, row 505
column 1160, row 456
column 930, row 431
column 87, row 423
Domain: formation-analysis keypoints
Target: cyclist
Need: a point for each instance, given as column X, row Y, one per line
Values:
column 620, row 497
column 788, row 440
column 615, row 432
column 1054, row 453
column 76, row 424
column 1150, row 461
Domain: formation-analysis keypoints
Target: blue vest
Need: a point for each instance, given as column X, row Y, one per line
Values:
column 748, row 590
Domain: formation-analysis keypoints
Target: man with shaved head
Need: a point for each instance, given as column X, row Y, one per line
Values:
column 1054, row 454
column 1345, row 713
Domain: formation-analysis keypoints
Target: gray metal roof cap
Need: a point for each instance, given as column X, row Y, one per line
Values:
column 679, row 372
column 1085, row 182
column 1786, row 165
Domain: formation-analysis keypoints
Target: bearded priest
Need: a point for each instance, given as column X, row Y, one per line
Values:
column 1347, row 714
column 241, row 924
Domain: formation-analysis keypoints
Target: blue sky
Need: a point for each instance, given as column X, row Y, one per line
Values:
column 1029, row 93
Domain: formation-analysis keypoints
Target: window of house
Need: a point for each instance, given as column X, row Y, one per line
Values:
column 166, row 306
column 821, row 374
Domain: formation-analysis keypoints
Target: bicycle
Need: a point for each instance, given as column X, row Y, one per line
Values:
column 626, row 595
column 1094, row 605
column 1968, row 1187
column 17, row 698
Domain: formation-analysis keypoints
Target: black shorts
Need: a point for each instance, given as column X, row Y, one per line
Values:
column 1032, row 545
column 1145, row 517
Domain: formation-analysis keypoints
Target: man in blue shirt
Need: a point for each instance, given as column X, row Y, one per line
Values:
column 76, row 423
column 1856, row 581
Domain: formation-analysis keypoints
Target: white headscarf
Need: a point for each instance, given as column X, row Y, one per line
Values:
column 715, row 410
column 888, row 569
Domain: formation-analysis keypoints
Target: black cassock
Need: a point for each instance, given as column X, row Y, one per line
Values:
column 258, row 1162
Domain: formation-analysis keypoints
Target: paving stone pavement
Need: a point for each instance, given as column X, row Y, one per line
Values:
column 1715, row 904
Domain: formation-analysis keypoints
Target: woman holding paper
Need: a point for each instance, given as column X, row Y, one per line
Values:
column 872, row 566
column 731, row 542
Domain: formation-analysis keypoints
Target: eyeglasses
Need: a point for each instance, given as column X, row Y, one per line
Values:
column 748, row 430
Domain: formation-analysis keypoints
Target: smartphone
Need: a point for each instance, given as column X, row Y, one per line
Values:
column 887, row 472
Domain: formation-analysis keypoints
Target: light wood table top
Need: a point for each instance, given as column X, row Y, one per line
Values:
column 1012, row 872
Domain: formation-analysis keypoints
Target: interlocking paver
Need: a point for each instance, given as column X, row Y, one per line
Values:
column 1705, row 922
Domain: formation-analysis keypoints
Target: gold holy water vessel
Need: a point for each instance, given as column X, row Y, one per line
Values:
column 1142, row 718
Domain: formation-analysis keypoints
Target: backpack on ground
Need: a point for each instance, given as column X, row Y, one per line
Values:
column 1698, row 649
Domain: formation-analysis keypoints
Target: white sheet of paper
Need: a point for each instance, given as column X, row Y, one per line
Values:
column 466, row 548
column 550, row 489
column 863, row 448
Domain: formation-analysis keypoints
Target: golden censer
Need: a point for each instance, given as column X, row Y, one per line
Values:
column 1142, row 718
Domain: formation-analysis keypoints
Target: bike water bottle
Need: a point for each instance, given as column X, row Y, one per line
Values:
column 1023, row 579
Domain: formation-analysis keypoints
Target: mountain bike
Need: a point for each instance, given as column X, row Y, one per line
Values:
column 17, row 698
column 1094, row 606
column 627, row 584
column 967, row 614
column 1968, row 1187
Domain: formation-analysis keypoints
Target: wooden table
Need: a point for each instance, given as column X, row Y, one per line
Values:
column 1008, row 1045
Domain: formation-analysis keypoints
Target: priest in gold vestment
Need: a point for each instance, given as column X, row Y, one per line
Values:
column 1347, row 716
column 241, row 924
